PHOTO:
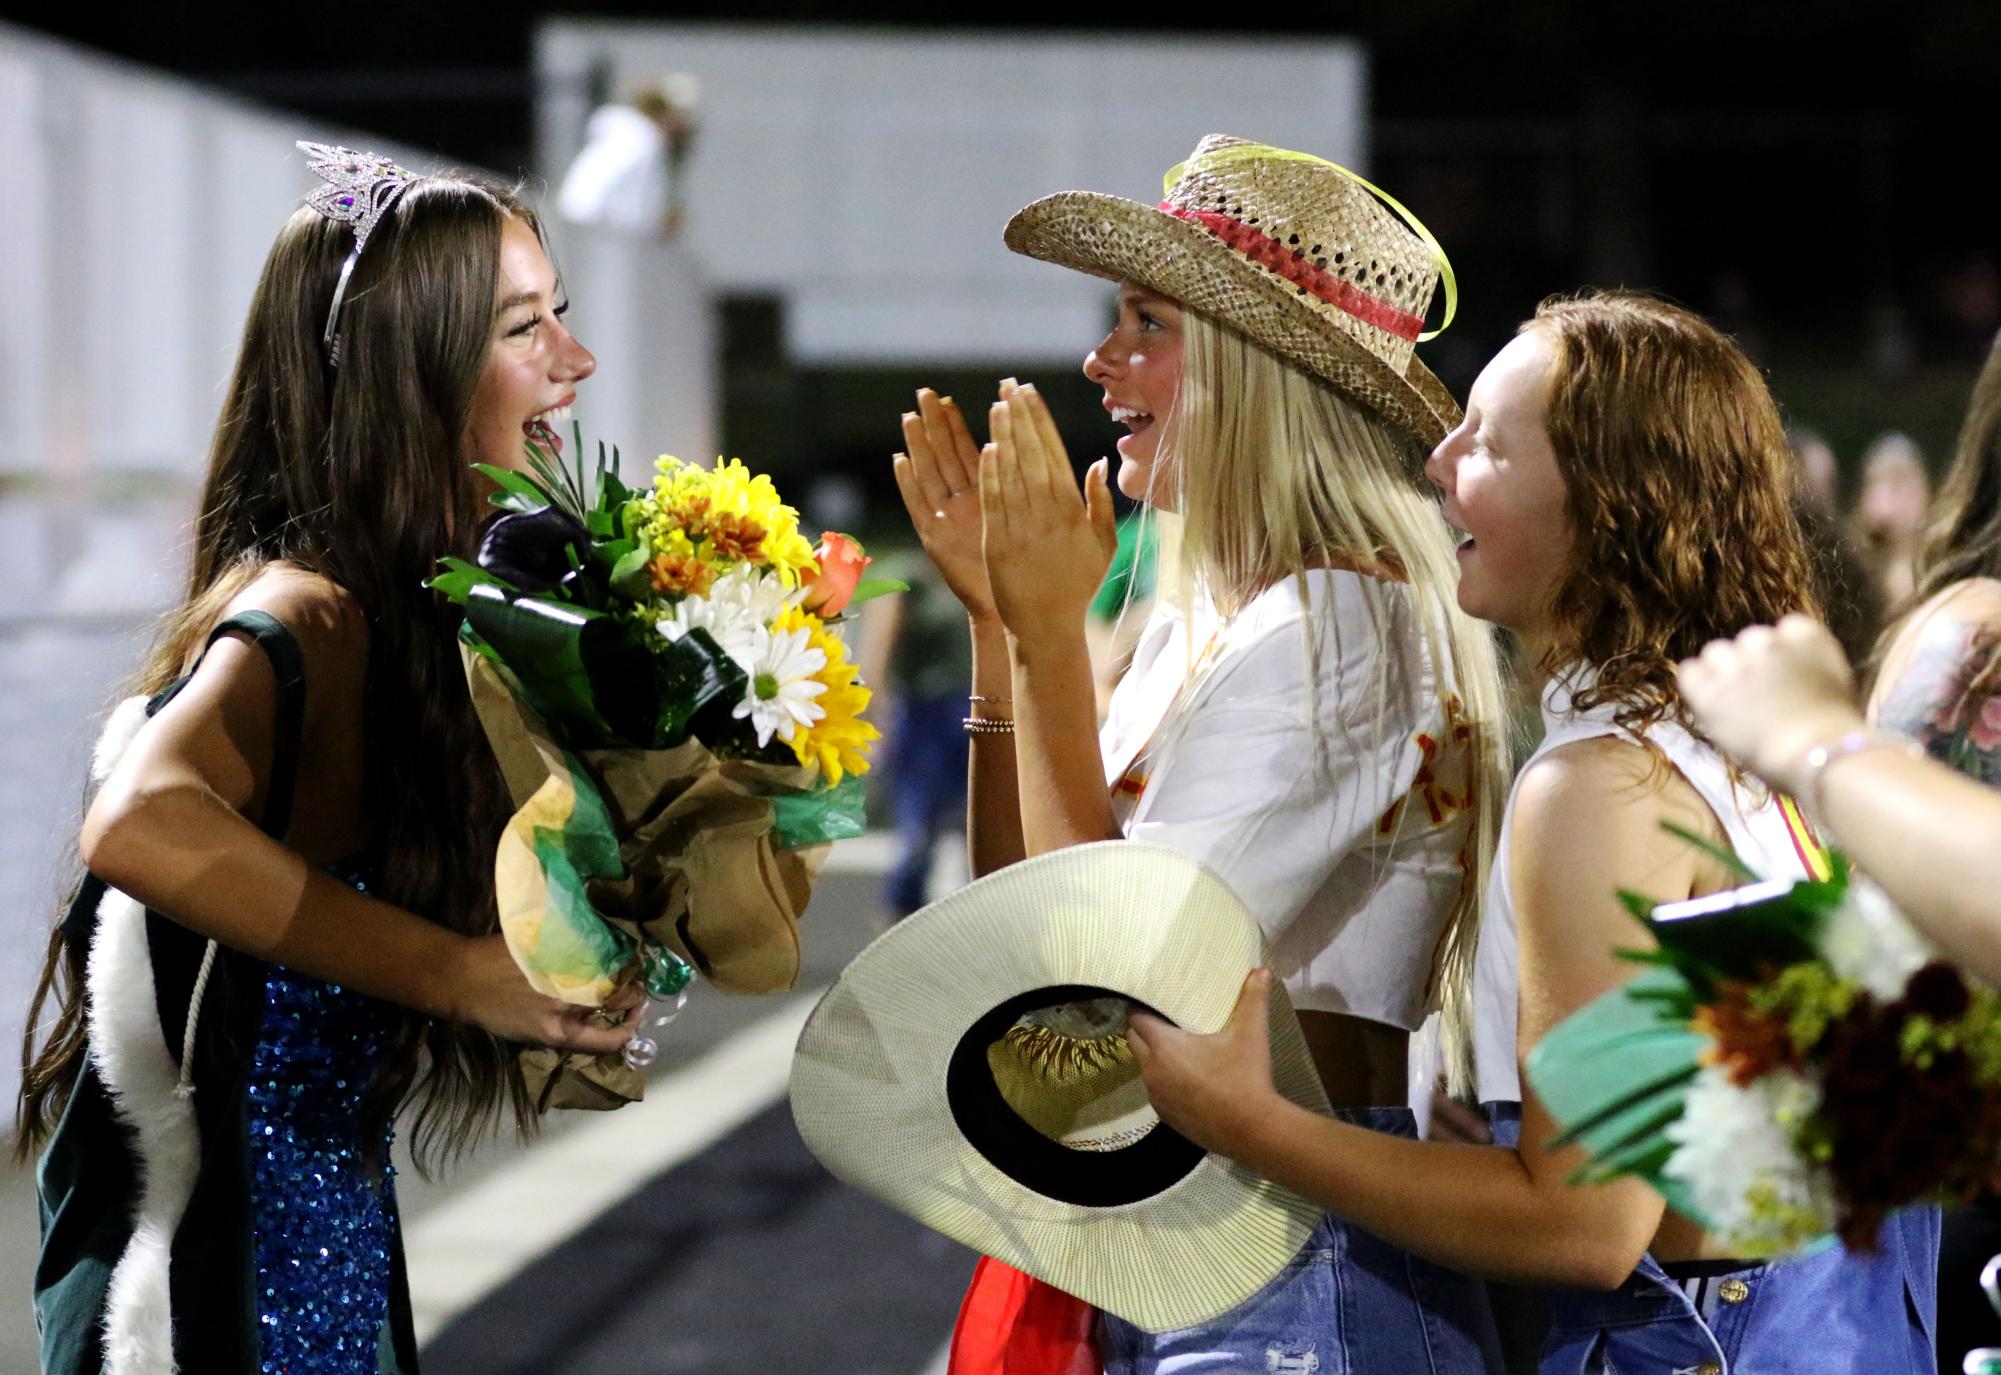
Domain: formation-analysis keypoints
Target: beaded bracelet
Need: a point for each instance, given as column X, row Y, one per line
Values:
column 983, row 725
column 1855, row 742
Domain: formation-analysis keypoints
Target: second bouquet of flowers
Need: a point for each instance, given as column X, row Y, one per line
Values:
column 1794, row 1064
column 663, row 676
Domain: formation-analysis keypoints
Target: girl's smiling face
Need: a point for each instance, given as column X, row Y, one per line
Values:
column 1139, row 367
column 534, row 363
column 1503, row 488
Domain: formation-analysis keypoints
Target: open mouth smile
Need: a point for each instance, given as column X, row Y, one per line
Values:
column 541, row 429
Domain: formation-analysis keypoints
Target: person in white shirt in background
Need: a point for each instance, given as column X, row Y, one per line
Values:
column 631, row 172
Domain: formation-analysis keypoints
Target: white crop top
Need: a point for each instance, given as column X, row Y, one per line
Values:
column 1336, row 814
column 1752, row 818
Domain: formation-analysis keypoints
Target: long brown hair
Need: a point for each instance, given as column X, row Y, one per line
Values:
column 1678, row 483
column 1963, row 538
column 358, row 474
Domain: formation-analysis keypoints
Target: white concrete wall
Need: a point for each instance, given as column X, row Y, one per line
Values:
column 138, row 210
column 865, row 176
column 645, row 310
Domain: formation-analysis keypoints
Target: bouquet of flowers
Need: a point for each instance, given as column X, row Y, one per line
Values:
column 1794, row 1062
column 662, row 675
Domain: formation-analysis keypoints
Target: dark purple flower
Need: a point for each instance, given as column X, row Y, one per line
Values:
column 533, row 549
column 1936, row 991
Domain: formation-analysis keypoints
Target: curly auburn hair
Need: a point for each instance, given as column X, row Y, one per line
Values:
column 1677, row 480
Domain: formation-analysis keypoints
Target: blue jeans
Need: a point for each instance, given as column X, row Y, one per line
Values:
column 927, row 789
column 1830, row 1313
column 1348, row 1304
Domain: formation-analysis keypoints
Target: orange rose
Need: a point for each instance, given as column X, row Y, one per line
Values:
column 841, row 563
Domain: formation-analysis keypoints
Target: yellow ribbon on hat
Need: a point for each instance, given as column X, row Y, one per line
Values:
column 1254, row 152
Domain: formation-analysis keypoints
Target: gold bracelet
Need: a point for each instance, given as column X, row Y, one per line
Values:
column 985, row 725
column 992, row 701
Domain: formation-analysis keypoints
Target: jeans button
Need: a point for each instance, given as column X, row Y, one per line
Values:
column 1709, row 1368
column 1733, row 1291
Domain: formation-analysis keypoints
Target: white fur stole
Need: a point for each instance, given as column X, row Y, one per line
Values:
column 140, row 1073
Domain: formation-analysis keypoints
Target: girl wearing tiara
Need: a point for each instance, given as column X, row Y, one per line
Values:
column 1622, row 479
column 1308, row 712
column 287, row 932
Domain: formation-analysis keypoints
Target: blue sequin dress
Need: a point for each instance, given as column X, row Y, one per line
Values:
column 287, row 1257
column 325, row 1223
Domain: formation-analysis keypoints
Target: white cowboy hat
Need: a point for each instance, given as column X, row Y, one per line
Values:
column 969, row 1069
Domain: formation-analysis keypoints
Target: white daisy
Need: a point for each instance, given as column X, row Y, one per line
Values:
column 1736, row 1149
column 741, row 602
column 762, row 594
column 1868, row 940
column 725, row 620
column 779, row 696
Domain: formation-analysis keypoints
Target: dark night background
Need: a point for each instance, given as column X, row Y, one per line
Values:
column 1813, row 176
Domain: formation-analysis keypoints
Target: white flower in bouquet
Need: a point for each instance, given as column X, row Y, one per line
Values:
column 1867, row 940
column 741, row 602
column 1736, row 1151
column 779, row 696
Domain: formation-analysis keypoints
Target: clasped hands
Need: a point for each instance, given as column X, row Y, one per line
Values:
column 1007, row 524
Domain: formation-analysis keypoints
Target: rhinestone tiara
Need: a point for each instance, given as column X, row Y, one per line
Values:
column 357, row 189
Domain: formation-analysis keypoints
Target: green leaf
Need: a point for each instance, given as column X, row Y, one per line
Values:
column 1722, row 854
column 455, row 586
column 1639, row 904
column 585, row 673
column 555, row 479
column 461, row 577
column 1645, row 1157
column 518, row 491
column 1615, row 1074
column 692, row 677
column 1620, row 1046
column 630, row 567
column 868, row 589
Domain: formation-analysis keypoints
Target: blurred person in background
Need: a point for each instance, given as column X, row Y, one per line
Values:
column 1308, row 711
column 919, row 655
column 1819, row 471
column 631, row 174
column 1889, row 517
column 1622, row 479
column 1847, row 586
column 1938, row 681
column 288, row 930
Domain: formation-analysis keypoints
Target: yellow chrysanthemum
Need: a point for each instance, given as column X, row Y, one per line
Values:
column 838, row 742
column 729, row 515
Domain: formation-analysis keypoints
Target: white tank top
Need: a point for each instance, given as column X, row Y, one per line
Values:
column 1755, row 820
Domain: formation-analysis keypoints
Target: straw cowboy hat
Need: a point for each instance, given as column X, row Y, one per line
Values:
column 1300, row 255
column 969, row 1069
